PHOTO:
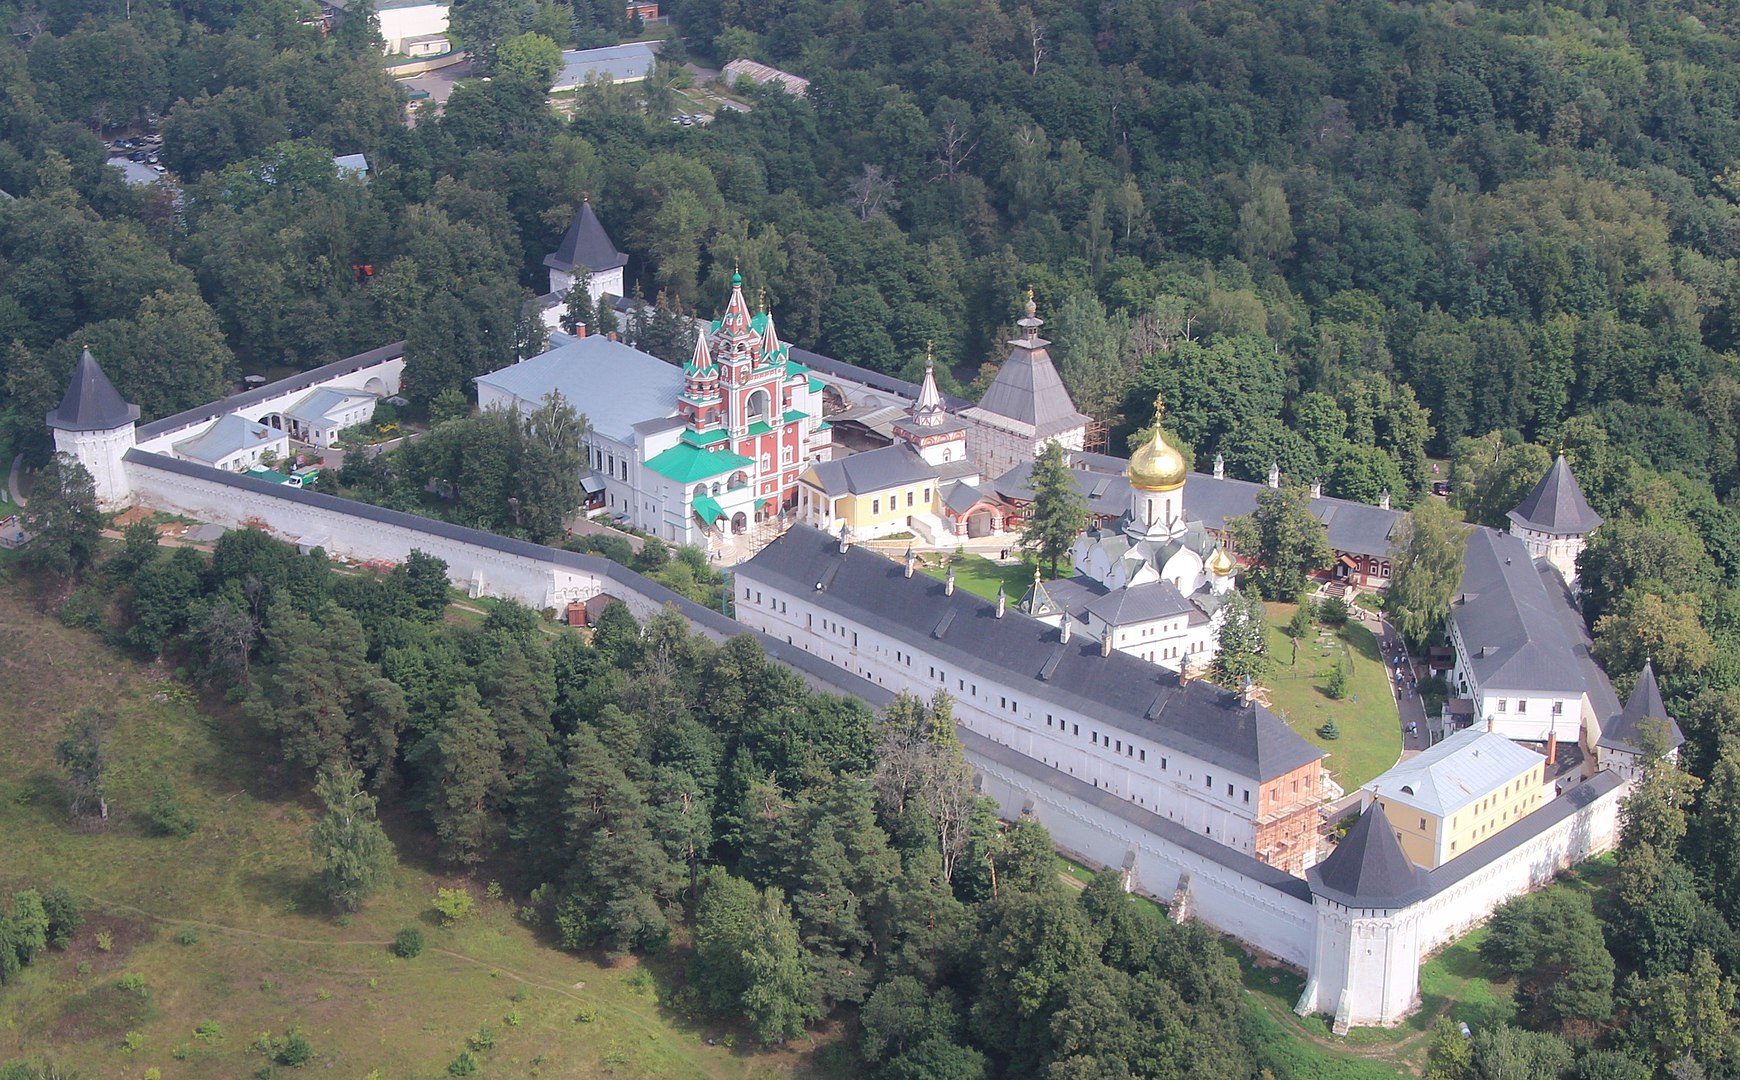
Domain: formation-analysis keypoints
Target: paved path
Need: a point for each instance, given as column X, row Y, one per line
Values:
column 12, row 491
column 1409, row 705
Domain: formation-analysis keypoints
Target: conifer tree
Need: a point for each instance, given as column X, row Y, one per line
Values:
column 1058, row 512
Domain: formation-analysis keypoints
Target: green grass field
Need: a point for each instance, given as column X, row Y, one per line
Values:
column 1371, row 734
column 225, row 927
column 981, row 576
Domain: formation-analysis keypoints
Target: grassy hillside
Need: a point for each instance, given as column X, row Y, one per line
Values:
column 223, row 926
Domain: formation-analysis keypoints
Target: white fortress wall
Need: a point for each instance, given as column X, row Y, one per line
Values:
column 1234, row 894
column 379, row 372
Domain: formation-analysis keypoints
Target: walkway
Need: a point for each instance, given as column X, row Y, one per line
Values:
column 12, row 491
column 1409, row 705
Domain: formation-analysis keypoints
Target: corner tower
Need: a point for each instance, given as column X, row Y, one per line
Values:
column 1555, row 520
column 586, row 248
column 94, row 424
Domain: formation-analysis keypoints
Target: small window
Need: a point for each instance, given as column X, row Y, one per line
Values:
column 1501, row 704
column 1247, row 796
column 1208, row 782
column 1522, row 705
column 1422, row 823
column 909, row 498
column 1144, row 756
column 1075, row 729
column 875, row 506
column 1095, row 738
column 1558, row 708
column 1229, row 791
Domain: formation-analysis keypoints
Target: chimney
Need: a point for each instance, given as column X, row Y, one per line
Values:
column 1552, row 748
column 1106, row 641
column 845, row 538
column 1063, row 628
column 1274, row 474
column 1002, row 601
column 911, row 560
column 1488, row 721
column 1384, row 500
column 949, row 583
column 579, row 330
column 1247, row 691
column 1317, row 488
column 1219, row 467
column 612, row 335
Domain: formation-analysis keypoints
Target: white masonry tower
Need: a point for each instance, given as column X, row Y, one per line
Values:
column 94, row 424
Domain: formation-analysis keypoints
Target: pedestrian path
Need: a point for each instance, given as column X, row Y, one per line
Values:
column 12, row 491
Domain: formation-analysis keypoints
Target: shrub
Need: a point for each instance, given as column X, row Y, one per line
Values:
column 1337, row 685
column 453, row 905
column 133, row 983
column 1328, row 730
column 1333, row 612
column 408, row 942
column 105, row 941
column 483, row 1040
column 209, row 1031
column 64, row 919
column 188, row 936
column 493, row 890
column 463, row 1065
column 292, row 1050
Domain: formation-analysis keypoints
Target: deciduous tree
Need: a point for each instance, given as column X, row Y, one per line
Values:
column 350, row 847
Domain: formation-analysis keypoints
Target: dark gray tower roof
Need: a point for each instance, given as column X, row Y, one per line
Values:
column 1027, row 387
column 586, row 244
column 1557, row 505
column 1645, row 703
column 92, row 403
column 1368, row 869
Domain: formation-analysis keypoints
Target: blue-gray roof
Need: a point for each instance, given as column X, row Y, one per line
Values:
column 619, row 62
column 1368, row 868
column 1557, row 505
column 1520, row 629
column 91, row 402
column 872, row 470
column 614, row 386
column 230, row 434
column 1124, row 692
column 1029, row 390
column 319, row 406
column 1623, row 731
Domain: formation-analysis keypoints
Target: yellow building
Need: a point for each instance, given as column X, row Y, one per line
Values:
column 1464, row 790
column 876, row 493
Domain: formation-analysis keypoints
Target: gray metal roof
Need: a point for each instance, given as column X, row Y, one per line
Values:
column 872, row 470
column 1368, row 869
column 91, row 402
column 961, row 497
column 1557, row 505
column 1124, row 692
column 586, row 244
column 614, row 386
column 1107, row 493
column 240, row 402
column 1141, row 604
column 319, row 406
column 1468, row 766
column 1028, row 389
column 1354, row 527
column 1645, row 703
column 1514, row 629
column 230, row 434
column 875, row 380
column 619, row 62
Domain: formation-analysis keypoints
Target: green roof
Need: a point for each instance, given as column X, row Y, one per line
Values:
column 816, row 385
column 823, row 426
column 708, row 438
column 759, row 428
column 707, row 509
column 684, row 463
column 795, row 414
column 792, row 367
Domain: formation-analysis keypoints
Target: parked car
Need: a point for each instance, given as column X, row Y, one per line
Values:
column 1441, row 487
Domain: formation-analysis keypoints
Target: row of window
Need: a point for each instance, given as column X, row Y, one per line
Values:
column 1522, row 706
column 894, row 502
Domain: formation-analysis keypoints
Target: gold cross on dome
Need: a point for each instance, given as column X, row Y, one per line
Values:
column 1159, row 407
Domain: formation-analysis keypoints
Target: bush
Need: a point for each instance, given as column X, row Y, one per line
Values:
column 453, row 905
column 64, row 919
column 408, row 942
column 483, row 1040
column 209, row 1031
column 292, row 1050
column 133, row 983
column 188, row 936
column 165, row 816
column 463, row 1065
column 1328, row 730
column 1333, row 612
column 1338, row 684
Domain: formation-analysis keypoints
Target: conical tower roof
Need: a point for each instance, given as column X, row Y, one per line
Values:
column 927, row 411
column 701, row 363
column 586, row 244
column 736, row 319
column 1624, row 732
column 1368, row 869
column 1557, row 505
column 91, row 402
column 1028, row 388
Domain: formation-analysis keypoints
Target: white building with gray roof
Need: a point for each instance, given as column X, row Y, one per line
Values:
column 615, row 63
column 1555, row 520
column 1025, row 407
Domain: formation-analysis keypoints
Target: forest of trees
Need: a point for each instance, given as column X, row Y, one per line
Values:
column 649, row 789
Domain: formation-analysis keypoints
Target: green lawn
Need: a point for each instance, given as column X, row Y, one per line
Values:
column 981, row 576
column 1371, row 734
column 224, row 925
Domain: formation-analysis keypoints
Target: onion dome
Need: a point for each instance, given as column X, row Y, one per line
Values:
column 1157, row 466
column 1220, row 564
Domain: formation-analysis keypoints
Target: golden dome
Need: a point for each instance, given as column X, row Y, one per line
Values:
column 1157, row 466
column 1220, row 564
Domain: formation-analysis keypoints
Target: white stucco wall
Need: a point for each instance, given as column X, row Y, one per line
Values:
column 381, row 379
column 411, row 20
column 1055, row 730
